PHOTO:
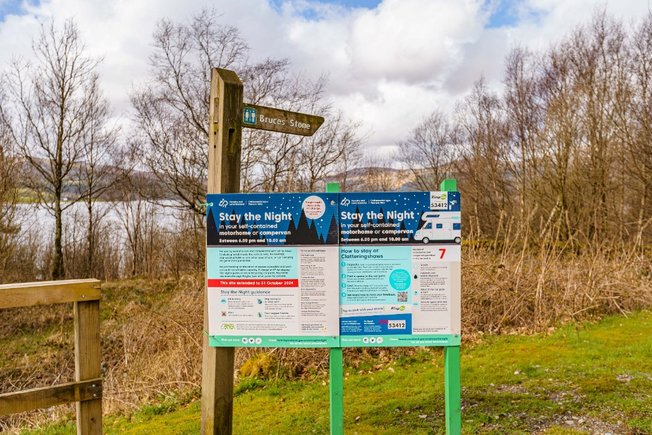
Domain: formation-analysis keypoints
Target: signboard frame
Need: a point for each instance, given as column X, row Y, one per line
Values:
column 271, row 257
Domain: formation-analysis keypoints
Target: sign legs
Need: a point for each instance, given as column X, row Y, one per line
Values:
column 336, row 391
column 452, row 390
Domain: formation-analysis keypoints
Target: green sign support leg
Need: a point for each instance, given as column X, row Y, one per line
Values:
column 336, row 391
column 452, row 383
column 336, row 369
column 453, row 390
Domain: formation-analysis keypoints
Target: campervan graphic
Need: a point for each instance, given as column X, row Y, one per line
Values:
column 439, row 227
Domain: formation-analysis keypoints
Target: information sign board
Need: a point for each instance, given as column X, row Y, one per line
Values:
column 270, row 262
column 400, row 269
column 334, row 270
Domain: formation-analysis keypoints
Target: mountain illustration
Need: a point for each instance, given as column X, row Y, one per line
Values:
column 331, row 237
column 212, row 237
column 292, row 234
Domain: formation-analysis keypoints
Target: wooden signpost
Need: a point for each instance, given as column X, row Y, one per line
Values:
column 224, row 149
column 282, row 121
column 228, row 114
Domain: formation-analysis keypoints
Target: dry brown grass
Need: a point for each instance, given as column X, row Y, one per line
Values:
column 533, row 292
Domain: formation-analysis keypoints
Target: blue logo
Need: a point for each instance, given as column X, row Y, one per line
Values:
column 249, row 116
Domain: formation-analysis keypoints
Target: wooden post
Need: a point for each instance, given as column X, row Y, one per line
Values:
column 224, row 149
column 87, row 364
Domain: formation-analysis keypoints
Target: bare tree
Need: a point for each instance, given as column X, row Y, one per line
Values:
column 172, row 109
column 283, row 162
column 523, row 111
column 634, row 124
column 596, row 52
column 172, row 114
column 138, row 220
column 8, row 198
column 566, row 145
column 485, row 157
column 327, row 153
column 53, row 107
column 100, row 171
column 429, row 151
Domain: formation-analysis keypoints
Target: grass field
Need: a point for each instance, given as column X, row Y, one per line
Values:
column 582, row 378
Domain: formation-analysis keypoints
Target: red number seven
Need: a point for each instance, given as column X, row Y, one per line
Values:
column 443, row 251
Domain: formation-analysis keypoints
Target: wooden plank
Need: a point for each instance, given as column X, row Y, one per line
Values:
column 225, row 139
column 282, row 121
column 87, row 363
column 11, row 403
column 48, row 292
column 224, row 149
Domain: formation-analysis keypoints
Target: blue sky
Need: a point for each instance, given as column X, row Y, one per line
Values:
column 370, row 4
column 14, row 7
column 503, row 15
column 504, row 12
column 9, row 7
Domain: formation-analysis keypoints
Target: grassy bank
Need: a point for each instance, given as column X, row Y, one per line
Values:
column 594, row 377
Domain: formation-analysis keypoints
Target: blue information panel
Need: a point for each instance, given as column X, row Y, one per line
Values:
column 330, row 270
column 270, row 263
column 400, row 268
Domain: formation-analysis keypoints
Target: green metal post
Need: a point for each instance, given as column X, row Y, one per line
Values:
column 332, row 187
column 448, row 185
column 336, row 370
column 453, row 390
column 452, row 383
column 336, row 391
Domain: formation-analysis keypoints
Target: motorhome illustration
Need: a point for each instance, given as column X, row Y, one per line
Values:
column 440, row 227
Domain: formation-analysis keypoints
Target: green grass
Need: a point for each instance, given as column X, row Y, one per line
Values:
column 587, row 378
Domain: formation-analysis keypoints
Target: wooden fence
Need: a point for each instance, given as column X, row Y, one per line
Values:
column 87, row 388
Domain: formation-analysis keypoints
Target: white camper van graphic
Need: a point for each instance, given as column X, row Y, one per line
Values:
column 440, row 227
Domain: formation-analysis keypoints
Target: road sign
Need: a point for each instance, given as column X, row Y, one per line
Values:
column 282, row 121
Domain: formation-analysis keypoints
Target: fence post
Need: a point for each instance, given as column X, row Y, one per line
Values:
column 87, row 364
column 224, row 149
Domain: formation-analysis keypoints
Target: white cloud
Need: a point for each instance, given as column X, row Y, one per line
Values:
column 388, row 67
column 412, row 40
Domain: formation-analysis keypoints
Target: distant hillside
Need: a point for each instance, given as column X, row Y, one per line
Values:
column 137, row 183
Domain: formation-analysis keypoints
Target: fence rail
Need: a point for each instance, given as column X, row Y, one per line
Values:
column 87, row 388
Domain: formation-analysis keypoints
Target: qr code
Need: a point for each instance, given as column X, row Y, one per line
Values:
column 401, row 296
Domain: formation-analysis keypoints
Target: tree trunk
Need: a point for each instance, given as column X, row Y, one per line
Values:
column 90, row 241
column 58, row 271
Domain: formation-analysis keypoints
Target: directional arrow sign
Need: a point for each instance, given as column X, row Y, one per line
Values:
column 282, row 121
